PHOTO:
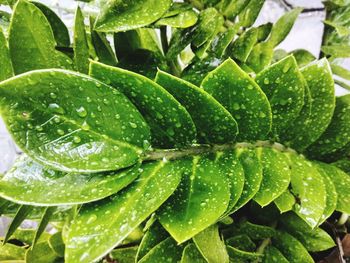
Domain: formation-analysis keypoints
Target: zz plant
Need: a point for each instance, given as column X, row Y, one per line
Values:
column 191, row 140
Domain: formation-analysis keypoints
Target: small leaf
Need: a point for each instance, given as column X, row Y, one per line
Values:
column 31, row 41
column 244, row 44
column 273, row 255
column 338, row 51
column 200, row 200
column 242, row 242
column 222, row 41
column 337, row 134
column 285, row 202
column 101, row 226
column 291, row 248
column 237, row 254
column 30, row 183
column 242, row 97
column 303, row 57
column 44, row 221
column 165, row 251
column 59, row 29
column 340, row 71
column 41, row 253
column 211, row 246
column 283, row 85
column 76, row 134
column 260, row 57
column 171, row 125
column 21, row 214
column 80, row 44
column 56, row 244
column 232, row 8
column 125, row 15
column 250, row 12
column 6, row 70
column 256, row 232
column 276, row 176
column 191, row 254
column 182, row 20
column 124, row 255
column 213, row 122
column 314, row 240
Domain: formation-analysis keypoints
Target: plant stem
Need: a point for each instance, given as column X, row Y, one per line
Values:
column 170, row 154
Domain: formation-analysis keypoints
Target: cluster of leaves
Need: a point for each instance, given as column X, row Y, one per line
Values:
column 241, row 159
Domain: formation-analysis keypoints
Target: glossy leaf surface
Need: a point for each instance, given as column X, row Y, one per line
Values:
column 6, row 70
column 191, row 254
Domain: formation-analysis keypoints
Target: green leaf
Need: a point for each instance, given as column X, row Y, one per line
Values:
column 213, row 122
column 283, row 85
column 165, row 251
column 232, row 8
column 321, row 85
column 182, row 20
column 191, row 254
column 285, row 202
column 211, row 246
column 309, row 189
column 260, row 57
column 291, row 248
column 152, row 237
column 253, row 170
column 276, row 176
column 273, row 255
column 242, row 242
column 303, row 57
column 41, row 253
column 250, row 12
column 80, row 44
column 200, row 200
column 10, row 252
column 341, row 182
column 242, row 97
column 337, row 134
column 6, row 70
column 242, row 256
column 31, row 183
column 124, row 15
column 222, row 41
column 283, row 26
column 44, row 221
column 340, row 71
column 244, row 44
column 59, row 29
column 101, row 226
column 102, row 47
column 256, row 232
column 314, row 240
column 56, row 244
column 72, row 135
column 31, row 40
column 21, row 214
column 124, row 255
column 171, row 125
column 338, row 51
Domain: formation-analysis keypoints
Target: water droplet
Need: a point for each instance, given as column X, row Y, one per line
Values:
column 91, row 219
column 85, row 126
column 81, row 112
column 133, row 125
column 60, row 132
column 76, row 139
column 53, row 95
column 266, row 81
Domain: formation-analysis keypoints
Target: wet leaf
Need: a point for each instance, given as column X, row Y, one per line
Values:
column 124, row 255
column 101, row 226
column 273, row 255
column 242, row 97
column 31, row 41
column 191, row 254
column 182, row 20
column 6, row 70
column 242, row 242
column 303, row 57
column 211, row 246
column 285, row 202
column 250, row 12
column 44, row 221
column 256, row 232
column 41, row 253
column 200, row 200
column 31, row 183
column 125, row 15
column 284, row 87
column 10, row 252
column 260, row 57
column 76, row 134
column 244, row 44
column 56, row 244
column 291, row 248
column 171, row 125
column 222, row 41
column 59, row 29
column 242, row 256
column 213, row 122
column 338, row 51
column 80, row 43
column 276, row 176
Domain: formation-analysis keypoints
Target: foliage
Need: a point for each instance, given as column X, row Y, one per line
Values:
column 209, row 147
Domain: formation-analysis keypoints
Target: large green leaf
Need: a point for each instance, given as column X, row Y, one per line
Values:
column 242, row 97
column 321, row 85
column 31, row 40
column 80, row 43
column 276, row 176
column 283, row 85
column 211, row 246
column 72, row 134
column 213, row 122
column 59, row 29
column 171, row 125
column 31, row 183
column 202, row 197
column 291, row 248
column 101, row 226
column 6, row 70
column 308, row 187
column 253, row 171
column 123, row 15
column 337, row 134
column 313, row 239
